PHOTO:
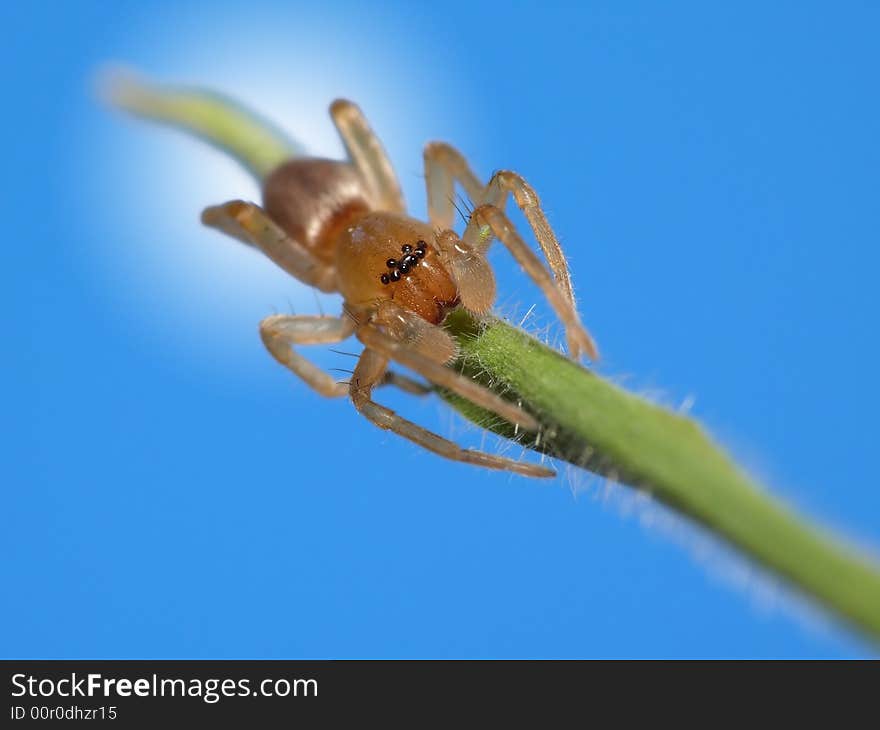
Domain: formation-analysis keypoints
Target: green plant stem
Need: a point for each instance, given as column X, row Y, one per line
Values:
column 591, row 423
column 584, row 419
column 218, row 120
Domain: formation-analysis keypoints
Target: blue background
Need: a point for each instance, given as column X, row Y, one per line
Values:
column 169, row 491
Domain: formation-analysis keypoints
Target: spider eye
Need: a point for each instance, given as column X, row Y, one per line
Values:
column 395, row 275
column 391, row 263
column 406, row 248
column 384, row 278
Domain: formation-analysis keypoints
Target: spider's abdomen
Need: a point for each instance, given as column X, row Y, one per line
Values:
column 388, row 256
column 313, row 200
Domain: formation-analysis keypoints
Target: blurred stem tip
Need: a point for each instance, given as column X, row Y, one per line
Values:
column 218, row 120
column 585, row 420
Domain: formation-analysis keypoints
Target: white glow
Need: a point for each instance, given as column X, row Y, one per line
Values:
column 142, row 187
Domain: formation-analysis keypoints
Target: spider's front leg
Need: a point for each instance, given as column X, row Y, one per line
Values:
column 487, row 222
column 282, row 333
column 369, row 373
column 443, row 166
column 427, row 354
column 250, row 224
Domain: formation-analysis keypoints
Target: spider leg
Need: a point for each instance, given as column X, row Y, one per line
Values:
column 414, row 332
column 392, row 349
column 369, row 372
column 407, row 385
column 471, row 272
column 444, row 165
column 281, row 332
column 369, row 157
column 250, row 224
column 504, row 182
column 488, row 221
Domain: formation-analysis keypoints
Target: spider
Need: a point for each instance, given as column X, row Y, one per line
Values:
column 341, row 226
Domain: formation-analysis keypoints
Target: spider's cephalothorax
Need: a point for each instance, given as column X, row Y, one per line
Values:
column 342, row 226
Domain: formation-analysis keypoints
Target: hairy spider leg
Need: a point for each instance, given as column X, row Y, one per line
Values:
column 250, row 224
column 487, row 222
column 367, row 154
column 409, row 329
column 443, row 166
column 389, row 347
column 280, row 333
column 369, row 372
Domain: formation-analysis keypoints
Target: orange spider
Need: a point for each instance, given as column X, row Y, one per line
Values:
column 341, row 226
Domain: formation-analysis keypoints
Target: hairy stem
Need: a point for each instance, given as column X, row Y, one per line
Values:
column 593, row 424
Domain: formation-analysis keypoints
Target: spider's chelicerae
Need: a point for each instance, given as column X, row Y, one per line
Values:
column 341, row 226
